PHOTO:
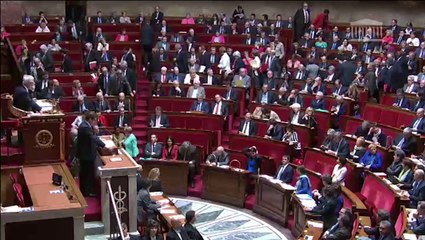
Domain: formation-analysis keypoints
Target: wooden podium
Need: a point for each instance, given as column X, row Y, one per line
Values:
column 273, row 199
column 44, row 138
column 119, row 170
column 173, row 175
column 227, row 185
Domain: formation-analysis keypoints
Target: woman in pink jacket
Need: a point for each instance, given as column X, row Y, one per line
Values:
column 217, row 38
column 188, row 19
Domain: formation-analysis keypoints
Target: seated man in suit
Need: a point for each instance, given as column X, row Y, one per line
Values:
column 153, row 149
column 362, row 130
column 53, row 90
column 265, row 96
column 82, row 104
column 417, row 193
column 231, row 93
column 176, row 90
column 162, row 76
column 344, row 212
column 418, row 225
column 248, row 127
column 406, row 142
column 122, row 119
column 159, row 120
column 219, row 107
column 319, row 103
column 274, row 131
column 218, row 158
column 418, row 125
column 187, row 152
column 338, row 89
column 191, row 230
column 177, row 232
column 200, row 105
column 377, row 136
column 343, row 231
column 22, row 96
column 339, row 146
column 296, row 114
column 420, row 99
column 122, row 102
column 210, row 79
column 100, row 104
column 401, row 101
column 307, row 87
column 285, row 172
column 318, row 86
column 176, row 76
column 196, row 90
column 338, row 108
column 242, row 80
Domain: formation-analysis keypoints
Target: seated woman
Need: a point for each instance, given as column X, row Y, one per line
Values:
column 394, row 170
column 217, row 38
column 265, row 113
column 372, row 160
column 124, row 18
column 122, row 37
column 353, row 92
column 152, row 231
column 340, row 171
column 201, row 19
column 54, row 46
column 359, row 150
column 188, row 19
column 388, row 38
column 413, row 41
column 176, row 90
column 291, row 137
column 320, row 44
column 118, row 136
column 171, row 150
column 153, row 176
column 303, row 185
column 345, row 46
column 308, row 118
column 77, row 89
column 102, row 44
column 130, row 142
column 158, row 91
column 404, row 180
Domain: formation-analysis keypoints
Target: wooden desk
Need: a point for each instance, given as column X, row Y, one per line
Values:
column 120, row 170
column 168, row 209
column 225, row 185
column 60, row 215
column 303, row 226
column 273, row 199
column 173, row 175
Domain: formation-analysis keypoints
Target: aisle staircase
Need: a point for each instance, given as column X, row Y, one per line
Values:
column 140, row 113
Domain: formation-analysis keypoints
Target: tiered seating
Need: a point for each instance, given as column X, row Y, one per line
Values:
column 389, row 116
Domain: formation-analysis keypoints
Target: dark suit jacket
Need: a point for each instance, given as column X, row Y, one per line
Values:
column 172, row 235
column 233, row 95
column 157, row 151
column 23, row 100
column 192, row 232
column 404, row 103
column 174, row 93
column 409, row 147
column 276, row 132
column 215, row 80
column 87, row 104
column 326, row 209
column 126, row 120
column 47, row 61
column 90, row 57
column 179, row 77
column 382, row 139
column 67, row 64
column 126, row 105
column 163, row 121
column 287, row 175
column 270, row 97
column 87, row 143
column 181, row 60
column 46, row 93
column 346, row 73
column 155, row 19
column 204, row 107
column 158, row 237
column 417, row 194
column 417, row 105
column 224, row 108
column 105, row 106
column 421, row 125
column 131, row 77
column 318, row 104
column 342, row 149
column 252, row 127
column 215, row 62
column 341, row 233
column 342, row 90
column 109, row 87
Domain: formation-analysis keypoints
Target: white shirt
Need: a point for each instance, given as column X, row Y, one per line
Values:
column 46, row 29
column 294, row 119
column 224, row 63
column 409, row 88
column 209, row 80
column 413, row 42
column 338, row 174
column 77, row 121
column 157, row 121
column 194, row 93
column 100, row 46
column 217, row 109
column 245, row 129
column 187, row 79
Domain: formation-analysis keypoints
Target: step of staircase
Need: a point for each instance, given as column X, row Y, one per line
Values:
column 94, row 228
column 140, row 117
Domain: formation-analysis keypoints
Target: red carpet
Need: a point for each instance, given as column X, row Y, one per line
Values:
column 93, row 212
column 11, row 156
column 250, row 201
column 197, row 190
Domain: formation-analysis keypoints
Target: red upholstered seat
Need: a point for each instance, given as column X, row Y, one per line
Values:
column 388, row 117
column 129, row 27
column 19, row 195
column 372, row 113
column 387, row 99
column 355, row 228
column 69, row 78
column 405, row 118
column 400, row 225
column 46, row 37
column 13, row 177
column 89, row 89
column 121, row 45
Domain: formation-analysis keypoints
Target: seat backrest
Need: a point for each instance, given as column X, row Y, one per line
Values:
column 18, row 191
column 355, row 227
column 13, row 177
column 400, row 224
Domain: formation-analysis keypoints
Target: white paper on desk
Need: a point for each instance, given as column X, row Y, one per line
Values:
column 163, row 201
column 178, row 216
column 275, row 180
column 287, row 186
column 165, row 206
column 116, row 159
column 315, row 224
column 167, row 211
column 109, row 143
column 202, row 68
column 409, row 236
column 304, row 196
column 156, row 193
column 266, row 176
column 11, row 209
column 380, row 174
column 57, row 191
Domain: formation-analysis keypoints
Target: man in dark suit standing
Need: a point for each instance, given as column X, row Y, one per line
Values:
column 302, row 20
column 90, row 55
column 191, row 230
column 22, row 96
column 248, row 127
column 46, row 58
column 285, row 172
column 157, row 17
column 159, row 120
column 87, row 145
column 177, row 232
column 147, row 42
column 130, row 75
column 106, row 82
column 66, row 62
column 187, row 152
column 181, row 59
column 346, row 73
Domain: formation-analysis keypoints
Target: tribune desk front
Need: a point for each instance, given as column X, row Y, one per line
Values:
column 173, row 177
column 120, row 169
column 273, row 199
column 227, row 185
column 55, row 216
column 302, row 225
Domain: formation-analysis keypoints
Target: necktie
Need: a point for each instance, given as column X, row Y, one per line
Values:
column 415, row 126
column 163, row 78
column 217, row 105
column 101, row 106
column 228, row 95
column 81, row 108
column 280, row 173
column 245, row 128
column 400, row 143
column 153, row 147
column 212, row 59
column 399, row 102
column 365, row 48
column 298, row 75
column 305, row 16
column 121, row 120
column 199, row 107
column 278, row 24
column 333, row 46
column 98, row 20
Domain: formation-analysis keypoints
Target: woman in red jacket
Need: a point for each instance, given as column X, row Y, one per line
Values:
column 170, row 150
column 322, row 20
column 122, row 37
